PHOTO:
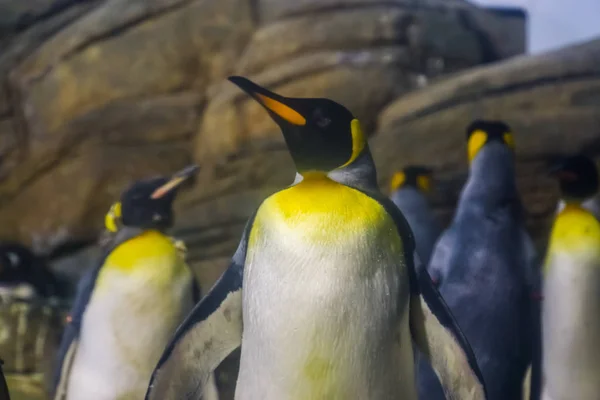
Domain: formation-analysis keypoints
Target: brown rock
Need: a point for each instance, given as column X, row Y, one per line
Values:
column 93, row 162
column 18, row 47
column 89, row 81
column 96, row 87
column 342, row 30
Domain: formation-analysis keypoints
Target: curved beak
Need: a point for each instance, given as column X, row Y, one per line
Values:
column 176, row 180
column 278, row 106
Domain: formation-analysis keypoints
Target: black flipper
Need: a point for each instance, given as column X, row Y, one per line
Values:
column 208, row 334
column 433, row 327
column 4, row 395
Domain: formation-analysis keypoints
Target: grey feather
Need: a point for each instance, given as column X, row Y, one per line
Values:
column 483, row 259
column 414, row 206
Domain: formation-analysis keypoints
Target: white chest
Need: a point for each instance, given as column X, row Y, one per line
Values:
column 125, row 328
column 325, row 319
column 571, row 327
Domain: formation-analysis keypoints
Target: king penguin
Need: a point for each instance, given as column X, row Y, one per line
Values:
column 409, row 188
column 570, row 323
column 322, row 293
column 484, row 264
column 128, row 307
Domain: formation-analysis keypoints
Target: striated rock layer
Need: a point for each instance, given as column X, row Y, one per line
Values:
column 97, row 93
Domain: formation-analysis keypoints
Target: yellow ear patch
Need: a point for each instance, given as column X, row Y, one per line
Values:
column 112, row 216
column 397, row 180
column 424, row 183
column 509, row 140
column 476, row 142
column 289, row 114
column 358, row 141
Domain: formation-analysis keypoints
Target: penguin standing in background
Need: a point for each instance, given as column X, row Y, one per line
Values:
column 23, row 274
column 409, row 188
column 571, row 327
column 484, row 264
column 322, row 293
column 128, row 307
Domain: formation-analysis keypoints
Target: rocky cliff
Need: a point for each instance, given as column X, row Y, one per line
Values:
column 97, row 93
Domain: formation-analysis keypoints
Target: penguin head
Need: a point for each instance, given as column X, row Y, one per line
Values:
column 481, row 133
column 416, row 176
column 14, row 260
column 577, row 177
column 321, row 134
column 23, row 272
column 148, row 203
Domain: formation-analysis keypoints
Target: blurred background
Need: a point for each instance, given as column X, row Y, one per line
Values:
column 97, row 93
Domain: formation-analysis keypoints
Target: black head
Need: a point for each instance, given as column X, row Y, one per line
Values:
column 417, row 176
column 577, row 176
column 148, row 204
column 321, row 134
column 15, row 263
column 19, row 265
column 481, row 132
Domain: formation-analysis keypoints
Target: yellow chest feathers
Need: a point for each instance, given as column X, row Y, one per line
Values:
column 575, row 230
column 151, row 255
column 322, row 209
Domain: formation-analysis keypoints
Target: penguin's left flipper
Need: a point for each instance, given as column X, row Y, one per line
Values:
column 440, row 255
column 208, row 334
column 439, row 338
column 433, row 328
column 210, row 390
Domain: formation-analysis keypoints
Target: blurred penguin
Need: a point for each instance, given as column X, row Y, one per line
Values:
column 409, row 188
column 483, row 263
column 571, row 327
column 128, row 306
column 24, row 275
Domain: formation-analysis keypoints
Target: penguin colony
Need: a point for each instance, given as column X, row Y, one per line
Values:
column 339, row 292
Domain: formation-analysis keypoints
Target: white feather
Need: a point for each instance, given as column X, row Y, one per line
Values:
column 125, row 328
column 325, row 320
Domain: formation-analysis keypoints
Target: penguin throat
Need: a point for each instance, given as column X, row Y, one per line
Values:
column 572, row 204
column 314, row 175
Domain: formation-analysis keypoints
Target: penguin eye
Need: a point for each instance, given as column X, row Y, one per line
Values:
column 320, row 119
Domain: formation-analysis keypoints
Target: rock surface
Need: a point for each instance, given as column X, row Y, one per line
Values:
column 97, row 93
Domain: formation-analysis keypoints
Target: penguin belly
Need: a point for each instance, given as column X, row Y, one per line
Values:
column 127, row 324
column 325, row 302
column 571, row 329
